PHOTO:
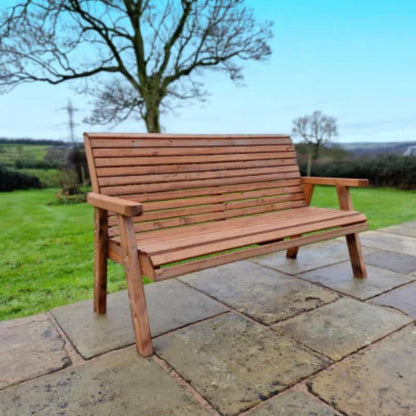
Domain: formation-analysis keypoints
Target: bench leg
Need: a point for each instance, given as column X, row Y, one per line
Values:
column 100, row 260
column 308, row 189
column 135, row 287
column 292, row 253
column 356, row 255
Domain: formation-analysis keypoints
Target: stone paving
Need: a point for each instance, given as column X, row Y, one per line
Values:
column 270, row 336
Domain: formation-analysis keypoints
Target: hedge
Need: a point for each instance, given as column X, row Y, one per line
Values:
column 391, row 170
column 12, row 180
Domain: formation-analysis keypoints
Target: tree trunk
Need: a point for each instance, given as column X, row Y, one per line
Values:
column 316, row 150
column 152, row 119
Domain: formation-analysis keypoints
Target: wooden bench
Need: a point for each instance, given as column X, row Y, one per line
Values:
column 176, row 200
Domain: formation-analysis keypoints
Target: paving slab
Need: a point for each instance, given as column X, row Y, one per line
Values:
column 171, row 304
column 236, row 363
column 379, row 381
column 293, row 403
column 339, row 277
column 403, row 298
column 30, row 347
column 405, row 228
column 401, row 263
column 264, row 294
column 389, row 242
column 309, row 257
column 118, row 383
column 342, row 327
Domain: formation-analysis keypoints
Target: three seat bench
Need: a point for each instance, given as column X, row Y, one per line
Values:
column 166, row 205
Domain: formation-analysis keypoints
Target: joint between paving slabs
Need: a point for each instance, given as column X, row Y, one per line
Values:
column 185, row 385
column 359, row 350
column 73, row 354
column 301, row 386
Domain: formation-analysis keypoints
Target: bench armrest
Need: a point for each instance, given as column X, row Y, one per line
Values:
column 117, row 205
column 312, row 180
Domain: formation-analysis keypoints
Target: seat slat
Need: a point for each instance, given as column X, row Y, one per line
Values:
column 128, row 180
column 161, row 245
column 224, row 258
column 208, row 248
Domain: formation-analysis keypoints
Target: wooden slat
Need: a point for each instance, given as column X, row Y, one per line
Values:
column 162, row 274
column 334, row 181
column 200, row 167
column 209, row 141
column 226, row 244
column 127, row 180
column 174, row 160
column 157, row 187
column 180, row 151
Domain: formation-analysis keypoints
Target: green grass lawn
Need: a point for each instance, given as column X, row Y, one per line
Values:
column 46, row 250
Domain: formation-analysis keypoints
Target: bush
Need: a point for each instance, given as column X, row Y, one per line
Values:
column 391, row 170
column 11, row 180
column 49, row 178
column 34, row 164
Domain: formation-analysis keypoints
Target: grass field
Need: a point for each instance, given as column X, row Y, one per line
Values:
column 46, row 250
column 10, row 152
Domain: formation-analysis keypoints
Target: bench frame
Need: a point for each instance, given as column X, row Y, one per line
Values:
column 128, row 255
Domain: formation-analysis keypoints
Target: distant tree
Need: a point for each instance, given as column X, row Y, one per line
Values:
column 139, row 56
column 316, row 130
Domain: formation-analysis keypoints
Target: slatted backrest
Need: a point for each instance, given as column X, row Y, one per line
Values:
column 188, row 179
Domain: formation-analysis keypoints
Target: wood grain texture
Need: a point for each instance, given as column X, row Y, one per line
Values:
column 334, row 181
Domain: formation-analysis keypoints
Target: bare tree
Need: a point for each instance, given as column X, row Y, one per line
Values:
column 316, row 129
column 133, row 56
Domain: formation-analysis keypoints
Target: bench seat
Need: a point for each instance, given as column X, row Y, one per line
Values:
column 159, row 248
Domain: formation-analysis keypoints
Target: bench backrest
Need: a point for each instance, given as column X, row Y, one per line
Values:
column 187, row 179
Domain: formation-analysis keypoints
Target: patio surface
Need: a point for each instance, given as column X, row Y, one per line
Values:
column 265, row 337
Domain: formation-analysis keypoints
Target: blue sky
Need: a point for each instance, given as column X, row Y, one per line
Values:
column 354, row 60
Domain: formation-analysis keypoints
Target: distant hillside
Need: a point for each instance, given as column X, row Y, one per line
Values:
column 376, row 149
column 36, row 142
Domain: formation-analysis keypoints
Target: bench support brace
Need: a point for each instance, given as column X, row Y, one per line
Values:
column 135, row 287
